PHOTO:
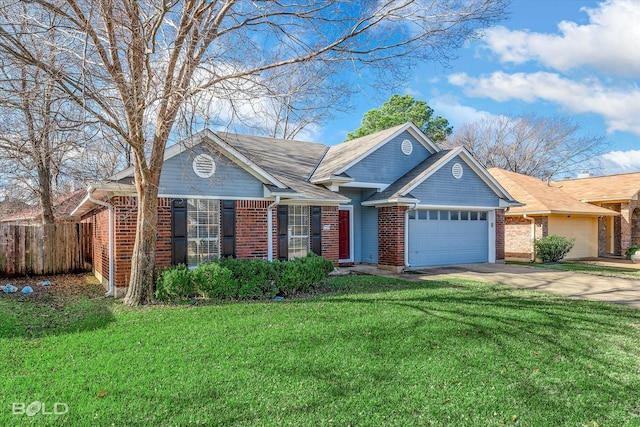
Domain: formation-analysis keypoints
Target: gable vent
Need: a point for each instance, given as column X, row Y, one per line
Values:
column 406, row 147
column 204, row 166
column 457, row 171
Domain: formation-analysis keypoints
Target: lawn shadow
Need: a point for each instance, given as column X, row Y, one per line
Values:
column 71, row 304
column 530, row 318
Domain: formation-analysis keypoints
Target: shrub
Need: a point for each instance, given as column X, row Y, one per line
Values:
column 214, row 281
column 632, row 250
column 553, row 248
column 174, row 282
column 303, row 274
column 230, row 278
column 256, row 278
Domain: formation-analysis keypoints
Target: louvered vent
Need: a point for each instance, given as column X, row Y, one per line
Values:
column 204, row 166
column 406, row 147
column 457, row 171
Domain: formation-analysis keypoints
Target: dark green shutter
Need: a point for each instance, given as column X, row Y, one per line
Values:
column 178, row 231
column 228, row 228
column 283, row 232
column 316, row 230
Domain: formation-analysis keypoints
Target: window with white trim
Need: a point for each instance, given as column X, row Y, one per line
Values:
column 298, row 231
column 203, row 230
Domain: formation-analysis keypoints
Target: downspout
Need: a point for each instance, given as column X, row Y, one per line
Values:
column 533, row 236
column 112, row 288
column 406, row 234
column 269, row 229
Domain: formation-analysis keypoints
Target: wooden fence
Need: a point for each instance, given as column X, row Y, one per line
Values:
column 45, row 249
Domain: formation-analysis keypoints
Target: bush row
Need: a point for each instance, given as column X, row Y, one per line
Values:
column 230, row 279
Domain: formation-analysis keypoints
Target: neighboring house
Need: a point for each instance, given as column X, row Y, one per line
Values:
column 547, row 209
column 392, row 198
column 62, row 207
column 618, row 193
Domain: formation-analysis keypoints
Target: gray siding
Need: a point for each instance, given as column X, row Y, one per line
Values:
column 229, row 180
column 442, row 188
column 388, row 163
column 369, row 231
column 365, row 226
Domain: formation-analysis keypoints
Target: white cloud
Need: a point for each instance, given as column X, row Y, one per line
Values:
column 620, row 161
column 619, row 106
column 457, row 114
column 609, row 42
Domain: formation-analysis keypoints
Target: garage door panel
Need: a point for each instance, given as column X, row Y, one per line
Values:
column 441, row 242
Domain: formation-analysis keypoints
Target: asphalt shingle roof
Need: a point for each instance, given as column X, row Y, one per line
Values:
column 291, row 162
column 540, row 197
column 601, row 188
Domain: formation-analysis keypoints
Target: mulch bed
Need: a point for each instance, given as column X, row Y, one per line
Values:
column 63, row 286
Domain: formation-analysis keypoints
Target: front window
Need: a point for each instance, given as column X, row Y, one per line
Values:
column 298, row 231
column 203, row 230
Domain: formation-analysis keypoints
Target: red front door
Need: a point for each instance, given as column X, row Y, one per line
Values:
column 344, row 246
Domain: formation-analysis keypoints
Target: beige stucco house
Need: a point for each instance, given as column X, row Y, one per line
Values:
column 548, row 209
column 615, row 192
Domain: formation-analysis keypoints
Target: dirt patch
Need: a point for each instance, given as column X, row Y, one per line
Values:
column 62, row 287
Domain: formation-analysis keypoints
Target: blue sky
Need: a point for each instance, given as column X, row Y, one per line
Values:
column 574, row 58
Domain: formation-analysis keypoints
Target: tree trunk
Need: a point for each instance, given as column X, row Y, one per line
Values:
column 44, row 177
column 143, row 260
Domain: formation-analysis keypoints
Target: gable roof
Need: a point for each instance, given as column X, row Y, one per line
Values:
column 290, row 162
column 401, row 189
column 542, row 198
column 62, row 206
column 341, row 157
column 603, row 188
column 283, row 166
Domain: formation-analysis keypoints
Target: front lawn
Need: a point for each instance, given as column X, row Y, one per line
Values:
column 373, row 351
column 587, row 268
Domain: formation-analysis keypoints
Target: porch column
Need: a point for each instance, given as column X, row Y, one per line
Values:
column 391, row 235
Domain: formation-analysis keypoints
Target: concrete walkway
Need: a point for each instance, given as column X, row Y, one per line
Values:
column 578, row 285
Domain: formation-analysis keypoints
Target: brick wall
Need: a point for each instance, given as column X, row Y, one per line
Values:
column 391, row 236
column 251, row 234
column 635, row 225
column 330, row 234
column 125, row 215
column 251, row 229
column 626, row 224
column 518, row 236
column 500, row 230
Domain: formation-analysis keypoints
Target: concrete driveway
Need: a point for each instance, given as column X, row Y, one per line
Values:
column 587, row 286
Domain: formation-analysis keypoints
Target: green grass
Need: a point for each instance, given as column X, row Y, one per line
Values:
column 374, row 351
column 580, row 267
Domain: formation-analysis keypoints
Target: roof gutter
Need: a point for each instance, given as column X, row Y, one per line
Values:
column 90, row 190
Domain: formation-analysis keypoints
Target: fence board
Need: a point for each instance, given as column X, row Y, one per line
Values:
column 42, row 250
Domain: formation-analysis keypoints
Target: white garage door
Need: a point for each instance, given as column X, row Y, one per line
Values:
column 445, row 237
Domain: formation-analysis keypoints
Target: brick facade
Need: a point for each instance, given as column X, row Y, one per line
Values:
column 500, row 244
column 627, row 225
column 251, row 234
column 251, row 229
column 520, row 233
column 391, row 223
column 330, row 235
column 125, row 224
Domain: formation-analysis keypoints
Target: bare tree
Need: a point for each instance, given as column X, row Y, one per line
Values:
column 40, row 127
column 134, row 64
column 530, row 145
